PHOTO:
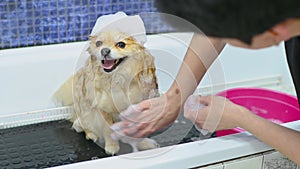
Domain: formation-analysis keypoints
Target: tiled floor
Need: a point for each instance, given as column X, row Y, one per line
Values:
column 276, row 160
column 268, row 160
column 252, row 162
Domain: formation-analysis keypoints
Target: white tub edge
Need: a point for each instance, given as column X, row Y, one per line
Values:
column 186, row 155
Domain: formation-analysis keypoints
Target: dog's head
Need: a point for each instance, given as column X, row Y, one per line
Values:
column 113, row 49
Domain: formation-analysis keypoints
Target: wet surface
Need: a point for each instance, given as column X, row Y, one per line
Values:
column 55, row 143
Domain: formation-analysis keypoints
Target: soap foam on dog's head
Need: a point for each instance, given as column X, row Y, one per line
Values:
column 121, row 22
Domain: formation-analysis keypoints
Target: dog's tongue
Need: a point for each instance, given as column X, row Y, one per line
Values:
column 108, row 64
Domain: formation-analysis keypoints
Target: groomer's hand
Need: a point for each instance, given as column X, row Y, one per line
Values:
column 219, row 113
column 148, row 116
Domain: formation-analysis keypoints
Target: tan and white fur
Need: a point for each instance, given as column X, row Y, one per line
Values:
column 118, row 72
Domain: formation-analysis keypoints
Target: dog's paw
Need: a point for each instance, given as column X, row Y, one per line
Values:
column 147, row 144
column 112, row 148
column 77, row 126
column 91, row 136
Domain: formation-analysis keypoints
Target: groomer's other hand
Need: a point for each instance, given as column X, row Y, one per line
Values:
column 219, row 113
column 148, row 116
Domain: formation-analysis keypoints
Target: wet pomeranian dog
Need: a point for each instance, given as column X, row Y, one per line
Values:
column 118, row 72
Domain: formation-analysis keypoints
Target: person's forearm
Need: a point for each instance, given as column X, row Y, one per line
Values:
column 201, row 54
column 284, row 140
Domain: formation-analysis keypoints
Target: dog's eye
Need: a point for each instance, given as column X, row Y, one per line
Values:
column 98, row 43
column 121, row 44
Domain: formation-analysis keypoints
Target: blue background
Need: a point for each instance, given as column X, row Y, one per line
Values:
column 39, row 22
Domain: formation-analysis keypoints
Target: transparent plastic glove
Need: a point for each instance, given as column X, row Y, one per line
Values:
column 148, row 116
column 130, row 112
column 191, row 109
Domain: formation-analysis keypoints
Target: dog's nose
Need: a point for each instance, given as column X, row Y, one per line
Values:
column 105, row 51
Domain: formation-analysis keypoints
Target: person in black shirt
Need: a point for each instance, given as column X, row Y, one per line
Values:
column 292, row 48
column 249, row 24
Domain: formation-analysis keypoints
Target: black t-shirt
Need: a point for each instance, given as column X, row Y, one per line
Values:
column 293, row 57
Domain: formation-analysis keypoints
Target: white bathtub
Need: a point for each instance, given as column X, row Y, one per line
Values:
column 30, row 75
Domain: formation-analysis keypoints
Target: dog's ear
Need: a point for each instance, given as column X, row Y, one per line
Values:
column 92, row 37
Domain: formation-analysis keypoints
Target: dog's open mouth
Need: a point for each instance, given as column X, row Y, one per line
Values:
column 111, row 64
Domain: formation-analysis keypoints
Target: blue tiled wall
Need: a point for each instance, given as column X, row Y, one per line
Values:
column 39, row 22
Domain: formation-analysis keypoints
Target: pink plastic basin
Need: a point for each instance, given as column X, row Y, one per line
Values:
column 272, row 105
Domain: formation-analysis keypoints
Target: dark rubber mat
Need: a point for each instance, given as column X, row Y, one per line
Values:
column 45, row 145
column 55, row 143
